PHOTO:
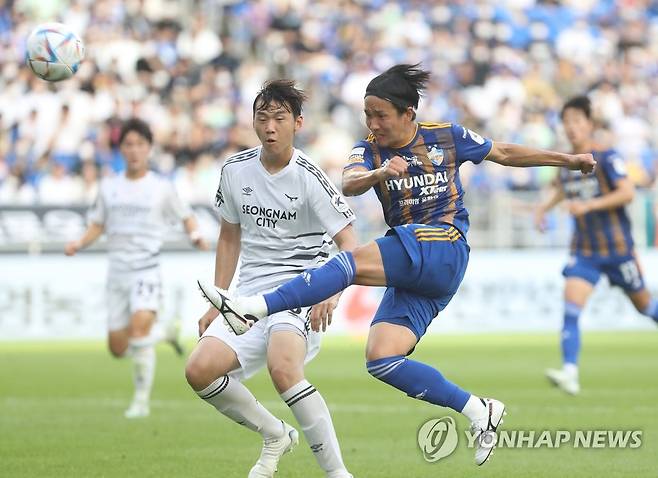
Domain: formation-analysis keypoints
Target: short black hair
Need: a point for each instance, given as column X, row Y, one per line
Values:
column 581, row 103
column 281, row 92
column 402, row 85
column 138, row 126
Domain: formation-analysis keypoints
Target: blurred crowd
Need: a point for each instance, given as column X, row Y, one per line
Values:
column 192, row 67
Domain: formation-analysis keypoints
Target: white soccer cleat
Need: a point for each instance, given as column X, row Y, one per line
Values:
column 565, row 381
column 220, row 300
column 484, row 429
column 137, row 409
column 273, row 450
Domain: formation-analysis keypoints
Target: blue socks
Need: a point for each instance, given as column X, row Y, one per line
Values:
column 652, row 310
column 571, row 334
column 313, row 285
column 418, row 381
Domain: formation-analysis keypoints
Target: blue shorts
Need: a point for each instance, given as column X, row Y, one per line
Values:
column 622, row 271
column 424, row 267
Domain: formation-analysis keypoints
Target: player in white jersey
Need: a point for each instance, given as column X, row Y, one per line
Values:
column 134, row 211
column 281, row 214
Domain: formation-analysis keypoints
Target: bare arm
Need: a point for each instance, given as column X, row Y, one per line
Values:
column 322, row 313
column 509, row 154
column 556, row 196
column 93, row 232
column 346, row 238
column 620, row 196
column 358, row 180
column 226, row 261
column 228, row 253
column 192, row 229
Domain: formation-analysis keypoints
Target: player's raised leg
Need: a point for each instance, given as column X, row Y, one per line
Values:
column 363, row 266
column 286, row 352
column 645, row 304
column 577, row 292
column 207, row 373
column 628, row 275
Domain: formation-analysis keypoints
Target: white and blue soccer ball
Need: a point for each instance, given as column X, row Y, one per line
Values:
column 54, row 52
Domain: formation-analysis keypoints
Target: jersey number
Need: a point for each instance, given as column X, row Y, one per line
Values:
column 631, row 273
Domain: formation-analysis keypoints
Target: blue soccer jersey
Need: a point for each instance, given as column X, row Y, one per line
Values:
column 430, row 192
column 598, row 233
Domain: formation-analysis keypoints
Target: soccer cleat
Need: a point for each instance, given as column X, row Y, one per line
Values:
column 220, row 300
column 567, row 382
column 137, row 409
column 172, row 336
column 273, row 450
column 484, row 429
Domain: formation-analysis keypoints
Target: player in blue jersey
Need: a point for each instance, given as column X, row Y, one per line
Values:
column 414, row 168
column 602, row 241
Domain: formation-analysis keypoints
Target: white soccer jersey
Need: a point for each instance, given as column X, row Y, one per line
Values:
column 286, row 219
column 136, row 214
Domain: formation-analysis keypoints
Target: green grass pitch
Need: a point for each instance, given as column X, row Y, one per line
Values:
column 61, row 408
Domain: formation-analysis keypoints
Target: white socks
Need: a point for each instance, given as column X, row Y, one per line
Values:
column 252, row 305
column 474, row 408
column 142, row 352
column 313, row 417
column 234, row 400
column 571, row 369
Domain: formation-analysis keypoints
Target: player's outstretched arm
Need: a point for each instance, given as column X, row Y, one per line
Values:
column 92, row 233
column 228, row 253
column 226, row 261
column 191, row 226
column 621, row 195
column 556, row 196
column 509, row 154
column 358, row 180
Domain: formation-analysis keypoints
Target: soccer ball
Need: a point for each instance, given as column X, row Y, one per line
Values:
column 54, row 52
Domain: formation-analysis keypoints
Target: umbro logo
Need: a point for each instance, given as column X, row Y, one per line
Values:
column 247, row 191
column 316, row 448
column 292, row 198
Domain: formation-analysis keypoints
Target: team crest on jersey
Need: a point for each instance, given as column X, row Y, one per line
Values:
column 339, row 203
column 435, row 155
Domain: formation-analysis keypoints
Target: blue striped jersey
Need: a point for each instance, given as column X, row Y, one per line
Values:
column 598, row 233
column 430, row 192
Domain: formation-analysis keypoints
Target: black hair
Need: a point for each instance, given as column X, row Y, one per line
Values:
column 402, row 85
column 138, row 126
column 281, row 92
column 581, row 103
